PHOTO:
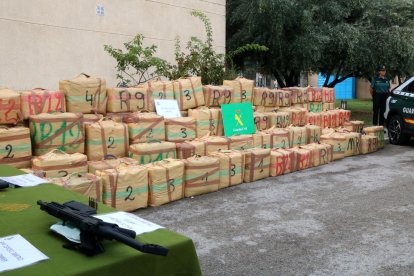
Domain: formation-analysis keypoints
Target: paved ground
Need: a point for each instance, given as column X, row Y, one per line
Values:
column 351, row 217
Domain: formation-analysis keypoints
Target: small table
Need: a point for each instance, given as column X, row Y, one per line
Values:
column 20, row 214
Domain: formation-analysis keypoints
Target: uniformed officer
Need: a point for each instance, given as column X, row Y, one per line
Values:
column 379, row 89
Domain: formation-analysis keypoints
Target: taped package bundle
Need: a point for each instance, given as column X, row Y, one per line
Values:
column 282, row 162
column 215, row 96
column 298, row 116
column 9, row 107
column 280, row 138
column 106, row 137
column 354, row 143
column 298, row 136
column 261, row 121
column 145, row 127
column 314, row 94
column 264, row 109
column 63, row 131
column 190, row 148
column 101, row 165
column 202, row 175
column 208, row 121
column 158, row 90
column 93, row 118
column 257, row 164
column 284, row 98
column 118, row 117
column 215, row 143
column 328, row 106
column 240, row 142
column 264, row 96
column 328, row 94
column 57, row 163
column 377, row 131
column 321, row 153
column 261, row 139
column 165, row 181
column 303, row 158
column 242, row 89
column 231, row 167
column 333, row 118
column 84, row 94
column 279, row 119
column 313, row 119
column 369, row 144
column 339, row 143
column 343, row 116
column 354, row 126
column 325, row 119
column 125, row 188
column 147, row 153
column 180, row 129
column 15, row 147
column 315, row 107
column 39, row 100
column 86, row 184
column 189, row 92
column 127, row 99
column 299, row 95
column 313, row 134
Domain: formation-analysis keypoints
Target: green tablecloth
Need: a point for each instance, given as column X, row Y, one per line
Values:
column 19, row 214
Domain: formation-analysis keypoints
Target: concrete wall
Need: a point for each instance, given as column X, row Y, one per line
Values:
column 44, row 41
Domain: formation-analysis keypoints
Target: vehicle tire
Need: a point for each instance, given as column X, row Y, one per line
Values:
column 396, row 131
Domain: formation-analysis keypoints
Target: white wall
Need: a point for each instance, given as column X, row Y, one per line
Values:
column 44, row 41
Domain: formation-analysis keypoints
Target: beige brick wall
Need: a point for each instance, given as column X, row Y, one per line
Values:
column 44, row 41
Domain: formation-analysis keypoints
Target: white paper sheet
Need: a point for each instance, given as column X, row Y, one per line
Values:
column 167, row 108
column 16, row 252
column 24, row 180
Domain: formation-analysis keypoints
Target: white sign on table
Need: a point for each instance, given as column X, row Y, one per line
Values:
column 167, row 108
column 24, row 180
column 16, row 252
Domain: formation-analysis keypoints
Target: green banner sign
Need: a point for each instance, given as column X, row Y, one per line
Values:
column 238, row 119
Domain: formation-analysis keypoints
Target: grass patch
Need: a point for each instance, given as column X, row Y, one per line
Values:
column 361, row 110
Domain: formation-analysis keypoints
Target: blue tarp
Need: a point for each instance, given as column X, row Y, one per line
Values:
column 343, row 90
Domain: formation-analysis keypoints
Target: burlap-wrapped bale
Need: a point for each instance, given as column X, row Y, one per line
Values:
column 145, row 127
column 282, row 162
column 86, row 184
column 106, row 137
column 328, row 106
column 257, row 164
column 325, row 119
column 264, row 109
column 321, row 153
column 313, row 134
column 92, row 118
column 343, row 116
column 127, row 99
column 208, row 121
column 296, row 115
column 261, row 120
column 279, row 119
column 84, row 94
column 9, row 107
column 354, row 143
column 101, row 165
column 202, row 175
column 241, row 142
column 303, row 158
column 377, row 131
column 369, row 144
column 315, row 107
column 15, row 147
column 313, row 119
column 215, row 96
column 180, row 129
column 189, row 92
column 261, row 139
column 264, row 96
column 215, row 143
column 63, row 131
column 299, row 95
column 125, row 188
column 190, row 148
column 57, row 163
column 314, row 94
column 298, row 136
column 39, row 100
column 160, row 90
column 242, row 89
column 231, row 167
column 339, row 142
column 37, row 173
column 328, row 94
column 166, row 181
column 354, row 126
column 280, row 138
column 333, row 118
column 284, row 98
column 150, row 152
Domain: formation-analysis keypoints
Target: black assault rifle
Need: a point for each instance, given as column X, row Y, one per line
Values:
column 93, row 230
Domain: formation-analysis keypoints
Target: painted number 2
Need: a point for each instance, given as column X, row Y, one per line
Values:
column 9, row 148
column 128, row 197
column 111, row 141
